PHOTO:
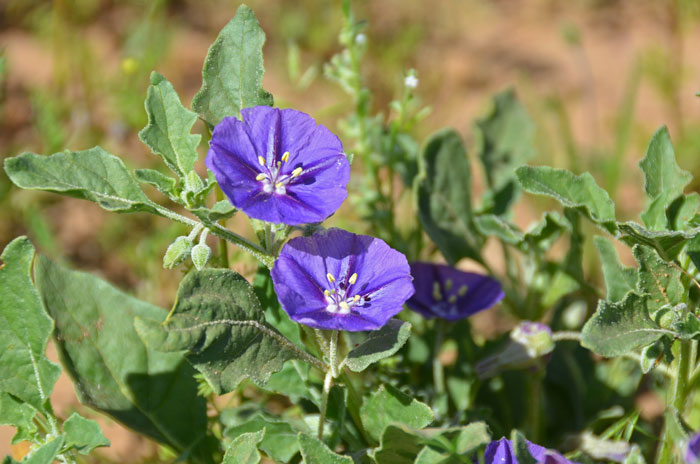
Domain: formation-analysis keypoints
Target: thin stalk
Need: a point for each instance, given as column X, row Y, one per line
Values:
column 535, row 405
column 223, row 244
column 679, row 394
column 327, row 384
column 438, row 368
column 353, row 405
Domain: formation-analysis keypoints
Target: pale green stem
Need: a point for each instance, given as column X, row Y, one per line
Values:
column 438, row 368
column 327, row 384
column 679, row 394
column 223, row 244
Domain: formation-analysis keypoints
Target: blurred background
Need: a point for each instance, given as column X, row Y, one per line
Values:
column 597, row 77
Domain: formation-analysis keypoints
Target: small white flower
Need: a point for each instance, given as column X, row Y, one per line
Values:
column 360, row 39
column 411, row 81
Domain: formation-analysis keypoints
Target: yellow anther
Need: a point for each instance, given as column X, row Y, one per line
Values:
column 261, row 160
column 356, row 298
column 452, row 299
column 448, row 285
column 353, row 279
column 343, row 305
column 437, row 294
column 261, row 176
column 285, row 157
column 327, row 292
column 330, row 278
column 462, row 290
column 279, row 164
column 296, row 172
column 278, row 184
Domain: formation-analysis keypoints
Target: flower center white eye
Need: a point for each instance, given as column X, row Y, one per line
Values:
column 340, row 298
column 271, row 178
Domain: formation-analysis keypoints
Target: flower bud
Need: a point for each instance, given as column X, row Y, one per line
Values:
column 177, row 252
column 193, row 183
column 200, row 255
column 529, row 342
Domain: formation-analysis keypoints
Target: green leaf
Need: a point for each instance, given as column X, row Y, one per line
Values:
column 443, row 197
column 46, row 454
column 658, row 279
column 92, row 174
column 388, row 405
column 280, row 441
column 314, row 451
column 545, row 232
column 169, row 124
column 18, row 414
column 164, row 184
column 521, row 449
column 113, row 370
column 244, row 448
column 398, row 446
column 83, row 434
column 686, row 325
column 274, row 314
column 618, row 328
column 667, row 243
column 379, row 344
column 218, row 321
column 492, row 225
column 430, row 455
column 472, row 437
column 681, row 212
column 25, row 371
column 233, row 70
column 220, row 210
column 580, row 192
column 619, row 280
column 662, row 174
column 504, row 140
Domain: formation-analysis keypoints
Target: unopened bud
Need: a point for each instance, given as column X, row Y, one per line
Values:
column 529, row 342
column 200, row 255
column 193, row 183
column 177, row 252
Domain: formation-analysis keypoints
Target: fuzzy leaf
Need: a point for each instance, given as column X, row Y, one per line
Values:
column 25, row 371
column 46, row 454
column 580, row 192
column 619, row 280
column 169, row 124
column 165, row 184
column 618, row 328
column 658, row 279
column 84, row 435
column 521, row 450
column 280, row 440
column 244, row 449
column 379, row 344
column 388, row 405
column 662, row 174
column 92, row 174
column 218, row 321
column 18, row 414
column 314, row 451
column 113, row 370
column 398, row 446
column 233, row 70
column 667, row 243
column 220, row 210
column 492, row 225
column 682, row 211
column 443, row 197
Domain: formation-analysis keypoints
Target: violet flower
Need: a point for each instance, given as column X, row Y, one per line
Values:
column 502, row 452
column 692, row 452
column 338, row 280
column 279, row 166
column 448, row 293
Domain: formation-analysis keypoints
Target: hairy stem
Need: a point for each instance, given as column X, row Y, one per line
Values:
column 327, row 384
column 223, row 244
column 679, row 394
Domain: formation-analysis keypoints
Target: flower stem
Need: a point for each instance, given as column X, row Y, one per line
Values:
column 327, row 384
column 438, row 368
column 223, row 244
column 679, row 392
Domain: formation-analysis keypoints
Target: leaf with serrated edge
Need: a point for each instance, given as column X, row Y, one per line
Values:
column 668, row 243
column 244, row 449
column 46, row 454
column 218, row 321
column 658, row 279
column 580, row 192
column 490, row 224
column 443, row 197
column 618, row 328
column 169, row 124
column 18, row 414
column 388, row 405
column 25, row 371
column 662, row 174
column 92, row 174
column 165, row 184
column 111, row 367
column 280, row 441
column 619, row 280
column 314, row 451
column 233, row 70
column 379, row 344
column 520, row 449
column 83, row 435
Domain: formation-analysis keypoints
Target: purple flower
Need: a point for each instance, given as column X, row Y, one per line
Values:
column 692, row 453
column 502, row 452
column 279, row 166
column 338, row 280
column 445, row 292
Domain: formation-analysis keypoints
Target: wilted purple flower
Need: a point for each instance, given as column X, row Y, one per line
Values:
column 338, row 280
column 279, row 166
column 448, row 293
column 502, row 452
column 692, row 452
